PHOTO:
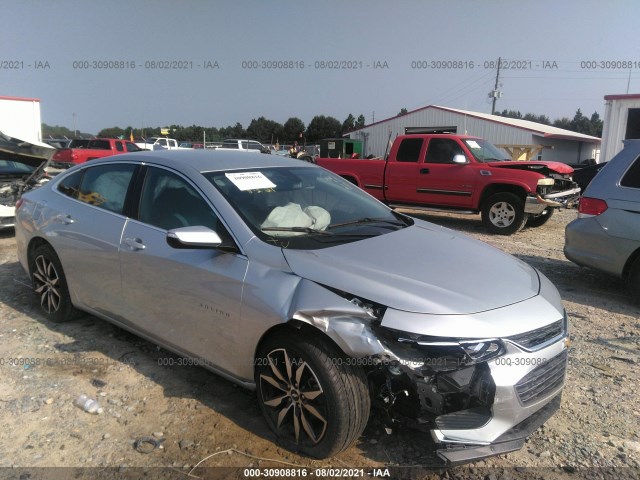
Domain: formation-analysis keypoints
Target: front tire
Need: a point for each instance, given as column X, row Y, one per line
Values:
column 50, row 284
column 503, row 213
column 541, row 218
column 314, row 398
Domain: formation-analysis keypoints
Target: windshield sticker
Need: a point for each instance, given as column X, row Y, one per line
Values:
column 250, row 181
column 473, row 144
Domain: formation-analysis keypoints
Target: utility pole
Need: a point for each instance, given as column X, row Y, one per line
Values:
column 495, row 94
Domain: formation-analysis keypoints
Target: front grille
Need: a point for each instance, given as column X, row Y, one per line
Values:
column 537, row 338
column 7, row 220
column 542, row 380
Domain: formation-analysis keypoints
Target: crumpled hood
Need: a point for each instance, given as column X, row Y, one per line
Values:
column 541, row 167
column 421, row 269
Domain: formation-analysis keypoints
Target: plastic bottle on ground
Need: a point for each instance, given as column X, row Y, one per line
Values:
column 88, row 404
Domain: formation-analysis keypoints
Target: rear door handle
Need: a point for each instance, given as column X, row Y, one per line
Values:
column 134, row 243
column 64, row 219
column 424, row 170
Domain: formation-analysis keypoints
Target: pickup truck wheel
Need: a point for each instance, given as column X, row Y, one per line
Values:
column 541, row 218
column 503, row 213
column 313, row 398
column 50, row 285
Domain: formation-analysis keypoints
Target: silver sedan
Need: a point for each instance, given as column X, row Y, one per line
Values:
column 287, row 279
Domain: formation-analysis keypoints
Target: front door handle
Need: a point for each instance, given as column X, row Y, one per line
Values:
column 134, row 243
column 424, row 170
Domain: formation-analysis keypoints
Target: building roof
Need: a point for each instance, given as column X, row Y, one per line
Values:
column 546, row 131
column 19, row 99
column 628, row 96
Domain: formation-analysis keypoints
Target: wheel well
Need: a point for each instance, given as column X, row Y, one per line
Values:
column 630, row 261
column 293, row 325
column 33, row 244
column 351, row 179
column 502, row 188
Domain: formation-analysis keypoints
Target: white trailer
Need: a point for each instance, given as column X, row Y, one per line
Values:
column 20, row 118
column 621, row 122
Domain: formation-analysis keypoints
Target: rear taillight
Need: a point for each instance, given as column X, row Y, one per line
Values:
column 590, row 207
column 19, row 203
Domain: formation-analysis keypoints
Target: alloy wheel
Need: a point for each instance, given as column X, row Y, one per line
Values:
column 296, row 402
column 502, row 214
column 47, row 284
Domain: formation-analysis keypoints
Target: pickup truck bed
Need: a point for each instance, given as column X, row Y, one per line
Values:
column 96, row 148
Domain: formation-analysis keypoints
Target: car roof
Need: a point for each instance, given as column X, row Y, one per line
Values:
column 210, row 160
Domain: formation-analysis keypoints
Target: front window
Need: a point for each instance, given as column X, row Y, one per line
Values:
column 9, row 167
column 484, row 151
column 304, row 207
column 168, row 201
column 442, row 150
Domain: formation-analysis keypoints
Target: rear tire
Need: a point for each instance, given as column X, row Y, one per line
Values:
column 313, row 397
column 541, row 218
column 633, row 280
column 503, row 213
column 50, row 284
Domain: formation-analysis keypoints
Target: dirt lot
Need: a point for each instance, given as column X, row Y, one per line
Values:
column 195, row 415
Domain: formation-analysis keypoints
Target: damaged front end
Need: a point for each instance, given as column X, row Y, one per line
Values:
column 22, row 168
column 465, row 393
column 476, row 397
column 557, row 188
column 435, row 382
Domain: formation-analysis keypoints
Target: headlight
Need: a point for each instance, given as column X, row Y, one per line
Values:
column 481, row 351
column 460, row 351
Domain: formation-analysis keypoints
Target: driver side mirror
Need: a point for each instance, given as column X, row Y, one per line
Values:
column 196, row 237
column 460, row 159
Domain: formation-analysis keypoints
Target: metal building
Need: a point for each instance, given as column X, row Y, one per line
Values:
column 522, row 139
column 621, row 122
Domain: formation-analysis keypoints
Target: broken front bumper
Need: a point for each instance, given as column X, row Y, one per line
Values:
column 510, row 441
column 528, row 389
column 535, row 204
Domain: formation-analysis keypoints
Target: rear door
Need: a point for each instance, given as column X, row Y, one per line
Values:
column 401, row 179
column 86, row 231
column 188, row 298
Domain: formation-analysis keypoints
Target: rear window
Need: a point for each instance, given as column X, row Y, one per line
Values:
column 632, row 177
column 106, row 186
column 409, row 150
column 70, row 186
column 100, row 145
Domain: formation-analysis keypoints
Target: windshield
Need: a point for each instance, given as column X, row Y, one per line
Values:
column 484, row 151
column 304, row 207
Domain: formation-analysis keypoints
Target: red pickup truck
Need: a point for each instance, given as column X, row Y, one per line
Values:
column 96, row 148
column 464, row 174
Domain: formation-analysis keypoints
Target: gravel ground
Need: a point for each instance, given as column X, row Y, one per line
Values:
column 189, row 414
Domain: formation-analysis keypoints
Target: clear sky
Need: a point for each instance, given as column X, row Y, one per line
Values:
column 155, row 63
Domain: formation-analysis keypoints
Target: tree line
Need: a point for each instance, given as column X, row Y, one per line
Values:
column 262, row 129
column 321, row 126
column 581, row 124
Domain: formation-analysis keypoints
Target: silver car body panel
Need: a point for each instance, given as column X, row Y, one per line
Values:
column 431, row 284
column 607, row 241
column 221, row 304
